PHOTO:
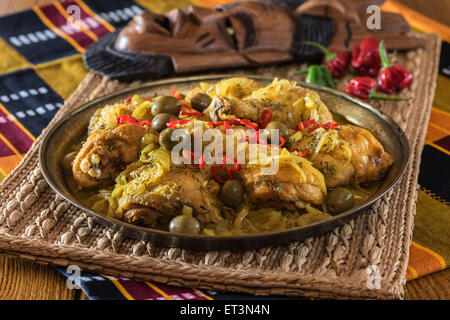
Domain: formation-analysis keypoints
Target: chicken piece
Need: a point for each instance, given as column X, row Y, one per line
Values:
column 106, row 117
column 295, row 183
column 289, row 104
column 227, row 109
column 155, row 195
column 351, row 154
column 105, row 153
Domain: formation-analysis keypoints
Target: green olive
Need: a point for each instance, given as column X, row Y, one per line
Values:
column 159, row 121
column 184, row 224
column 340, row 200
column 165, row 138
column 200, row 101
column 166, row 104
column 232, row 193
column 67, row 161
column 277, row 125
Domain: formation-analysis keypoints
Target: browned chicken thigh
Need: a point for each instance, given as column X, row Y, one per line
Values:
column 164, row 197
column 294, row 184
column 225, row 109
column 356, row 157
column 289, row 103
column 105, row 154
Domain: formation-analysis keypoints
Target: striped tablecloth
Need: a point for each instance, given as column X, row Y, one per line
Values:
column 41, row 65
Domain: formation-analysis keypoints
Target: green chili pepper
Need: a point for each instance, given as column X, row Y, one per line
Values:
column 318, row 74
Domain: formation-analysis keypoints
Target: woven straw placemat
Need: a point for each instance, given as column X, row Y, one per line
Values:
column 365, row 258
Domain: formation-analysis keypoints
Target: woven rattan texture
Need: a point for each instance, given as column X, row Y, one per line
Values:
column 365, row 258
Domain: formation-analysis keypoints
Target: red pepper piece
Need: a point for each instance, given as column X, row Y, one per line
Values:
column 336, row 61
column 304, row 124
column 128, row 100
column 232, row 170
column 301, row 154
column 366, row 57
column 245, row 122
column 129, row 119
column 176, row 93
column 304, row 153
column 266, row 117
column 227, row 123
column 229, row 171
column 393, row 77
column 364, row 88
column 190, row 111
column 124, row 119
column 330, row 125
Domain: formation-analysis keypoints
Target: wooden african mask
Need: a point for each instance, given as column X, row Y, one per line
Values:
column 238, row 35
column 199, row 38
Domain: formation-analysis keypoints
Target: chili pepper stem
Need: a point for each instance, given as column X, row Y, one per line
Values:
column 384, row 59
column 328, row 54
column 373, row 95
column 301, row 71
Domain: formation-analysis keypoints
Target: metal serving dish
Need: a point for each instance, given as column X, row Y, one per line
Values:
column 71, row 128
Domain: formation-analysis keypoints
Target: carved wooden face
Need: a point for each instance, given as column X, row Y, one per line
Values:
column 201, row 38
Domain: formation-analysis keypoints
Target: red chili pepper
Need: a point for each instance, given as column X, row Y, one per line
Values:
column 392, row 77
column 304, row 124
column 282, row 142
column 128, row 100
column 364, row 88
column 174, row 123
column 304, row 153
column 147, row 99
column 230, row 171
column 266, row 117
column 246, row 123
column 336, row 61
column 301, row 154
column 176, row 93
column 327, row 126
column 129, row 119
column 191, row 111
column 227, row 123
column 366, row 57
column 330, row 125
